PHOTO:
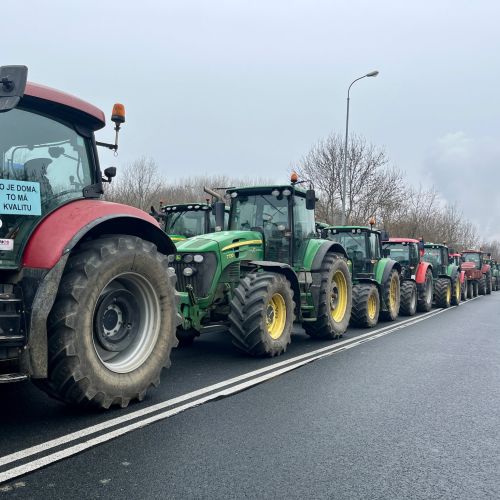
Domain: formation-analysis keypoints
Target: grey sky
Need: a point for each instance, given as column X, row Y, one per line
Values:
column 246, row 87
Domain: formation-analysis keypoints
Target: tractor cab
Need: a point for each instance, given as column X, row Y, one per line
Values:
column 406, row 251
column 283, row 215
column 363, row 246
column 473, row 258
column 436, row 254
column 456, row 258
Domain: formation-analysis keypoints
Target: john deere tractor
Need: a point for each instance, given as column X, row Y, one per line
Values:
column 266, row 271
column 416, row 274
column 445, row 274
column 87, row 302
column 185, row 220
column 376, row 279
column 495, row 269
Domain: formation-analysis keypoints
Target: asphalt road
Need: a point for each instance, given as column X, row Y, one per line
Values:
column 410, row 410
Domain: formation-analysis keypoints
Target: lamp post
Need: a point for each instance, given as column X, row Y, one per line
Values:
column 344, row 173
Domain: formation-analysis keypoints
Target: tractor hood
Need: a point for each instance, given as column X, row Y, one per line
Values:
column 468, row 265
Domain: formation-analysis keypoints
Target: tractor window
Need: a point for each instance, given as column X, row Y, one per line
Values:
column 414, row 254
column 187, row 223
column 355, row 246
column 304, row 227
column 399, row 252
column 374, row 246
column 433, row 256
column 471, row 257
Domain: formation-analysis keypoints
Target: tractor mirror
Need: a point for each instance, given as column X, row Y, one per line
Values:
column 109, row 172
column 386, row 252
column 310, row 199
column 220, row 212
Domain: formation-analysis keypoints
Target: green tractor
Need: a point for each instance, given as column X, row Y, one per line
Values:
column 376, row 278
column 185, row 220
column 445, row 275
column 496, row 276
column 266, row 271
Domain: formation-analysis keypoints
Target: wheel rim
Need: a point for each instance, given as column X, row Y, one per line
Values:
column 448, row 293
column 457, row 290
column 338, row 297
column 126, row 322
column 393, row 293
column 372, row 306
column 276, row 316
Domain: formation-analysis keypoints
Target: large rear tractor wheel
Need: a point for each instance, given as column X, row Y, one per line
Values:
column 112, row 326
column 476, row 288
column 442, row 293
column 392, row 297
column 489, row 285
column 335, row 300
column 365, row 305
column 262, row 314
column 456, row 291
column 465, row 290
column 482, row 285
column 425, row 291
column 408, row 298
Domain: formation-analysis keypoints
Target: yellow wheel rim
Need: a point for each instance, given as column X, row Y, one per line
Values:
column 276, row 316
column 372, row 306
column 338, row 297
column 457, row 290
column 448, row 294
column 393, row 293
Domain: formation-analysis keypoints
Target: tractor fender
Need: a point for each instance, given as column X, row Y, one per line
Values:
column 285, row 270
column 462, row 276
column 61, row 230
column 421, row 272
column 384, row 269
column 485, row 269
column 452, row 271
column 327, row 246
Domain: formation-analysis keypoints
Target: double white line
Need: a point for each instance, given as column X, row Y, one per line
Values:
column 195, row 398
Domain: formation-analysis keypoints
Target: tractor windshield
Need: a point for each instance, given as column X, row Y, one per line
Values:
column 187, row 223
column 399, row 252
column 471, row 257
column 433, row 256
column 354, row 244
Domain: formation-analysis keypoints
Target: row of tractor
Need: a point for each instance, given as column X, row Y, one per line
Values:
column 94, row 295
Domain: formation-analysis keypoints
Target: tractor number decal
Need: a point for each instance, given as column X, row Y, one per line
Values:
column 20, row 197
column 230, row 256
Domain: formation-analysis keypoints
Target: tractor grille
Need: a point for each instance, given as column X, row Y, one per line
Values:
column 232, row 273
column 202, row 278
column 12, row 331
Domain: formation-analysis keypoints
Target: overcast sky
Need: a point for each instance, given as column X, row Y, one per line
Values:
column 246, row 87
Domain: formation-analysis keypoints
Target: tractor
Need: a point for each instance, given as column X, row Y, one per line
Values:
column 456, row 258
column 266, row 271
column 88, row 306
column 416, row 274
column 445, row 275
column 477, row 271
column 185, row 220
column 495, row 271
column 376, row 279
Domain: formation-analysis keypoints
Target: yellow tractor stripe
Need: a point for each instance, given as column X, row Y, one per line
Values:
column 242, row 243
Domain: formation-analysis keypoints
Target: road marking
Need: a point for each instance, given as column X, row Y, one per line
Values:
column 228, row 389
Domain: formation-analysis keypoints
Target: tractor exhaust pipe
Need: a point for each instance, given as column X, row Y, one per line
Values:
column 213, row 193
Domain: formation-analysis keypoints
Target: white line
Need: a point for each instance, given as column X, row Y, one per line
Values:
column 72, row 450
column 18, row 455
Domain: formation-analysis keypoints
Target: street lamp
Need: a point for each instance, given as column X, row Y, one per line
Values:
column 344, row 174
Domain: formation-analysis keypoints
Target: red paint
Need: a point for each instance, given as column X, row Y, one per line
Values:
column 421, row 270
column 47, row 243
column 402, row 240
column 462, row 276
column 49, row 94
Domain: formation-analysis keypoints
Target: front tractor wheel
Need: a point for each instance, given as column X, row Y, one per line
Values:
column 456, row 291
column 262, row 314
column 489, row 284
column 392, row 296
column 408, row 298
column 465, row 290
column 482, row 285
column 335, row 300
column 365, row 305
column 425, row 291
column 442, row 293
column 112, row 326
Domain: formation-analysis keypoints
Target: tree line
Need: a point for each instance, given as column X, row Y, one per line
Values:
column 375, row 188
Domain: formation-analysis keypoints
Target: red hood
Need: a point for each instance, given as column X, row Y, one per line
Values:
column 468, row 265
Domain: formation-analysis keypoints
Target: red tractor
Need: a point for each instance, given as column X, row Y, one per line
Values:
column 416, row 275
column 477, row 272
column 87, row 302
column 456, row 258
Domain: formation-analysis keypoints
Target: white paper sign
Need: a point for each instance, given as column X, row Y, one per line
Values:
column 6, row 244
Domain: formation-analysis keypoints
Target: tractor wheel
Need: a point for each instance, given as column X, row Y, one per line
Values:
column 365, row 305
column 465, row 290
column 482, row 285
column 112, row 326
column 186, row 337
column 424, row 303
column 392, row 297
column 470, row 289
column 488, row 284
column 262, row 314
column 442, row 293
column 476, row 288
column 408, row 298
column 335, row 300
column 456, row 291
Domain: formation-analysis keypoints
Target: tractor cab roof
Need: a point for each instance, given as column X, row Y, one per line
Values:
column 402, row 240
column 184, row 207
column 472, row 251
column 56, row 103
column 253, row 190
column 352, row 229
column 435, row 245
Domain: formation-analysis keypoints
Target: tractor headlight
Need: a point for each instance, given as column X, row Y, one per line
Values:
column 188, row 258
column 188, row 271
column 171, row 258
column 198, row 258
